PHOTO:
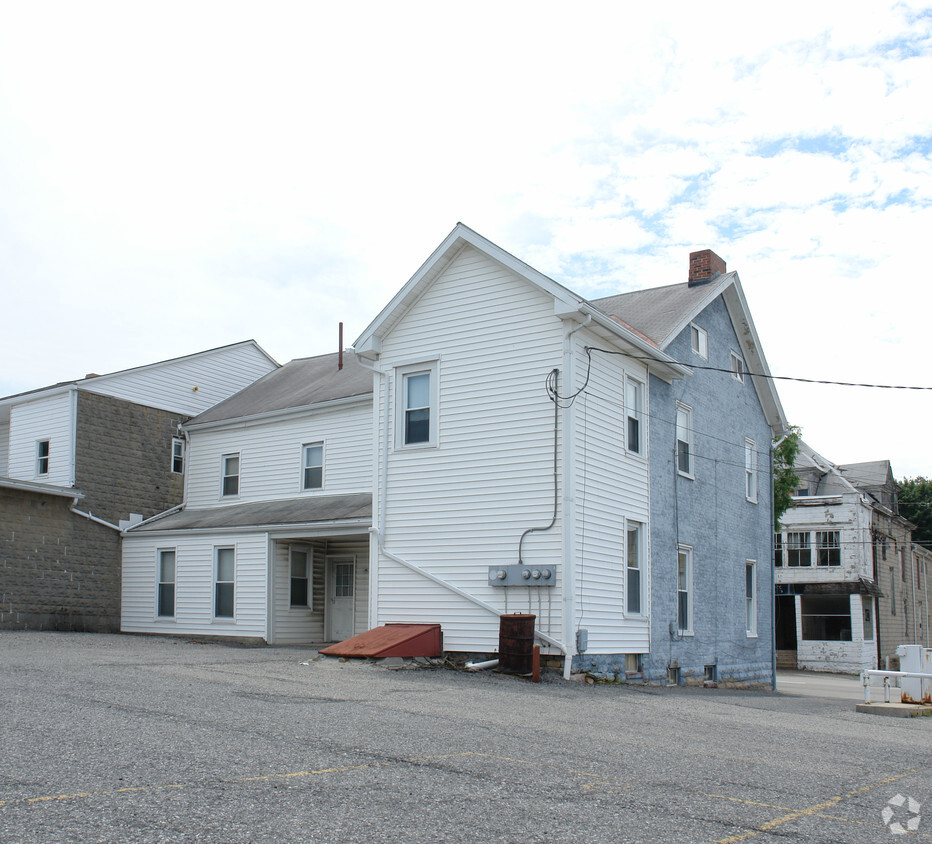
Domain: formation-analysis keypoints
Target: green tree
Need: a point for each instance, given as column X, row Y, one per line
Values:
column 785, row 479
column 916, row 505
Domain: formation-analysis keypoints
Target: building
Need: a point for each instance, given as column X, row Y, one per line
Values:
column 79, row 458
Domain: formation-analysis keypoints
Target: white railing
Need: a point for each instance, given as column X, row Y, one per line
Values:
column 866, row 681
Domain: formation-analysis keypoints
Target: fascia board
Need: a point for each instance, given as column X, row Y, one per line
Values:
column 276, row 531
column 277, row 415
column 44, row 489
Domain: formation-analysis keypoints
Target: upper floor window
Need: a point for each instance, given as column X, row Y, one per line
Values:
column 417, row 391
column 177, row 455
column 42, row 457
column 634, row 399
column 699, row 340
column 828, row 548
column 313, row 475
column 634, row 558
column 737, row 366
column 684, row 440
column 798, row 551
column 750, row 471
column 230, row 475
column 778, row 549
column 166, row 589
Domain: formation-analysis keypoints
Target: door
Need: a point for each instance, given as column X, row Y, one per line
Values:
column 341, row 595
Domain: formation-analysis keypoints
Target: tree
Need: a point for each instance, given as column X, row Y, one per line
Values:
column 785, row 479
column 916, row 505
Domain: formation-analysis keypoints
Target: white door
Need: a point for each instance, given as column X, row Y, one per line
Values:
column 341, row 582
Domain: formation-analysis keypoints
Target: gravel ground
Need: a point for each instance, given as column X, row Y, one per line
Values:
column 134, row 738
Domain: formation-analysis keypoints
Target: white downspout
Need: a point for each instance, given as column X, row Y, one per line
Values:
column 380, row 472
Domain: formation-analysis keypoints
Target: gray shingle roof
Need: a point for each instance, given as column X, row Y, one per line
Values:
column 292, row 511
column 299, row 383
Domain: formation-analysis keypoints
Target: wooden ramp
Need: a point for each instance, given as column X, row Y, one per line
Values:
column 392, row 640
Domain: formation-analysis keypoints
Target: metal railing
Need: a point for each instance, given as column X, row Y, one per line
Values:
column 866, row 675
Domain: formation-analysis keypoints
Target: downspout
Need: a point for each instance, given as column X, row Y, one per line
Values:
column 773, row 573
column 92, row 518
column 912, row 588
column 380, row 471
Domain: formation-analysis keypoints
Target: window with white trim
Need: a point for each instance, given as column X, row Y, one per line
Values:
column 300, row 576
column 165, row 602
column 684, row 589
column 798, row 550
column 634, row 558
column 42, row 457
column 177, row 455
column 699, row 341
column 229, row 483
column 416, row 420
column 750, row 471
column 224, row 582
column 737, row 367
column 684, row 440
column 828, row 547
column 312, row 475
column 634, row 401
column 750, row 597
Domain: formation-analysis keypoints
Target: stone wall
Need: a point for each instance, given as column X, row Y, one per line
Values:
column 58, row 570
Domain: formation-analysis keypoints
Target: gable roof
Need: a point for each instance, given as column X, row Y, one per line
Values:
column 567, row 304
column 298, row 384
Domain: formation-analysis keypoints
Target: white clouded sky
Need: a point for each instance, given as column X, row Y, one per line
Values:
column 180, row 176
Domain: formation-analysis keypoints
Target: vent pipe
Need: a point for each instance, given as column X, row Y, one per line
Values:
column 340, row 344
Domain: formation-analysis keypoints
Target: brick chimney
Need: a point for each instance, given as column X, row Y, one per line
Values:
column 704, row 266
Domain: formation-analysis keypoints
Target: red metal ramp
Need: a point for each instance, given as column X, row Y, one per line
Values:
column 396, row 639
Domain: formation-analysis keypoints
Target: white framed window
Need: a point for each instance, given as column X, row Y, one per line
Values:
column 43, row 448
column 684, row 590
column 828, row 547
column 737, row 367
column 699, row 340
column 165, row 601
column 634, row 402
column 312, row 466
column 300, row 563
column 750, row 597
column 177, row 456
column 867, row 607
column 229, row 481
column 750, row 471
column 417, row 392
column 224, row 582
column 684, row 440
column 634, row 558
column 798, row 549
column 778, row 549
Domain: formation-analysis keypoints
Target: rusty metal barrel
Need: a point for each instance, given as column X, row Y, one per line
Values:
column 516, row 642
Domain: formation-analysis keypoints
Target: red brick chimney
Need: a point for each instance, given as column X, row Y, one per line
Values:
column 704, row 266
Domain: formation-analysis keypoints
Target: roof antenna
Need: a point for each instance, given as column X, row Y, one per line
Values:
column 340, row 342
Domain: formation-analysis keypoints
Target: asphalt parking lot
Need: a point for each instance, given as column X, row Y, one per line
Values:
column 123, row 738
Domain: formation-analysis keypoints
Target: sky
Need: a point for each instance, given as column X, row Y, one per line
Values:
column 179, row 176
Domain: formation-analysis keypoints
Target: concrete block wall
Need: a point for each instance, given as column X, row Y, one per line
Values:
column 58, row 571
column 123, row 458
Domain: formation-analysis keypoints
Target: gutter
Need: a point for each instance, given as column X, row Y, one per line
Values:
column 91, row 517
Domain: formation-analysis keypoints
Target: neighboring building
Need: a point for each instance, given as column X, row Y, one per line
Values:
column 515, row 448
column 851, row 585
column 80, row 457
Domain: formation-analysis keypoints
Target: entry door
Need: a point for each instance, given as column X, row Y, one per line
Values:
column 341, row 581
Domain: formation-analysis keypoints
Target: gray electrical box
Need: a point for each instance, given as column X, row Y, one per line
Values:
column 522, row 575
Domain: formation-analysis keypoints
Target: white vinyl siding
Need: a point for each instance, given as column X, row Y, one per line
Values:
column 271, row 455
column 458, row 508
column 5, row 449
column 195, row 561
column 48, row 418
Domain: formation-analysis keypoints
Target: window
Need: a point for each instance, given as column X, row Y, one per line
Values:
column 42, row 457
column 177, row 455
column 166, row 589
column 417, row 391
column 699, row 340
column 684, row 597
column 684, row 440
column 225, row 570
column 903, row 563
column 828, row 548
column 798, row 552
column 868, row 617
column 634, row 557
column 892, row 592
column 300, row 563
column 737, row 366
column 750, row 471
column 778, row 549
column 826, row 618
column 750, row 597
column 634, row 399
column 230, row 482
column 313, row 475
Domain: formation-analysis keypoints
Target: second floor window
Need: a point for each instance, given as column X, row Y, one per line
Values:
column 634, row 399
column 313, row 476
column 750, row 471
column 42, row 457
column 798, row 552
column 177, row 455
column 828, row 548
column 417, row 408
column 230, row 475
column 684, row 440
